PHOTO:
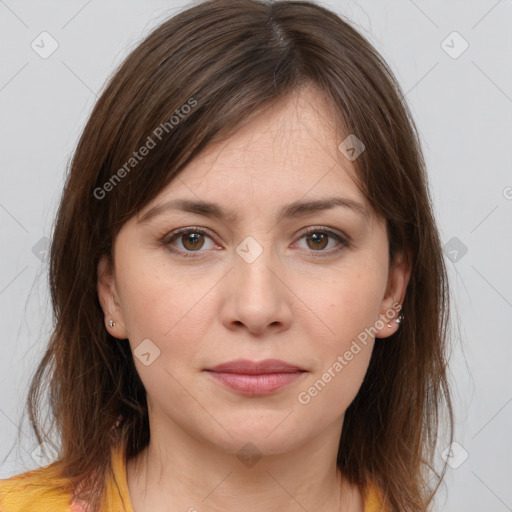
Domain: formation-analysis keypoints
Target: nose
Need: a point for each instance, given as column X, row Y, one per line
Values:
column 256, row 295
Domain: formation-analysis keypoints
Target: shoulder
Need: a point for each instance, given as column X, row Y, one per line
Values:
column 39, row 490
column 45, row 490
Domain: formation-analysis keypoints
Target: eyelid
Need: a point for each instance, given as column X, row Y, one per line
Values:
column 329, row 230
column 343, row 239
column 173, row 234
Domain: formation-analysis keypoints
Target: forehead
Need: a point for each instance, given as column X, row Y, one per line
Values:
column 286, row 154
column 292, row 143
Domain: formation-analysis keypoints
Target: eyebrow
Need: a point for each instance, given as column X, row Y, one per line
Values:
column 295, row 209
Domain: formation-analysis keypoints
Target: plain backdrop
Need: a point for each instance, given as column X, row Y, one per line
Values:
column 453, row 61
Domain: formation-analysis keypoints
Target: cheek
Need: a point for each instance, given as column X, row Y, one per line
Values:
column 347, row 305
column 143, row 301
column 172, row 309
column 328, row 394
column 342, row 342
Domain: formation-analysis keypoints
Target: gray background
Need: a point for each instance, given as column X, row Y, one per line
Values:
column 462, row 103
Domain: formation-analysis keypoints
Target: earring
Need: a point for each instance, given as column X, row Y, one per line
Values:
column 118, row 422
column 111, row 323
column 398, row 319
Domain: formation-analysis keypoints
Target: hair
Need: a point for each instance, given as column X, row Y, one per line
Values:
column 196, row 78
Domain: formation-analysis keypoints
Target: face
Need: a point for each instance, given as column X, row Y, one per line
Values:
column 191, row 290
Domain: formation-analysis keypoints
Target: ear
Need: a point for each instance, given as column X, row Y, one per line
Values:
column 109, row 300
column 399, row 275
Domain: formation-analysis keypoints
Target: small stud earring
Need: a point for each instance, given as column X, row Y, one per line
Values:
column 398, row 319
column 111, row 323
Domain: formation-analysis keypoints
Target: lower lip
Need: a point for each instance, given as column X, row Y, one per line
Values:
column 261, row 384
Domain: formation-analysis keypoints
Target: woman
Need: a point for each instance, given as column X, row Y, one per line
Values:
column 297, row 361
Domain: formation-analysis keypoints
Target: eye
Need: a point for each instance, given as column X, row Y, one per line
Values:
column 191, row 240
column 317, row 238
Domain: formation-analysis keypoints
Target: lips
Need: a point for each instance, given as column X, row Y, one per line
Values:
column 256, row 378
column 246, row 367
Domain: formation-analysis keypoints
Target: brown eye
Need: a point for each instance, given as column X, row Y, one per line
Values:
column 192, row 241
column 318, row 240
column 187, row 241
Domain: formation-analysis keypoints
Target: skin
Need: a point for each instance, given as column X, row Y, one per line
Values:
column 288, row 304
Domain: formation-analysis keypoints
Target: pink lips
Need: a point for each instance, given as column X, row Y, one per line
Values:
column 256, row 378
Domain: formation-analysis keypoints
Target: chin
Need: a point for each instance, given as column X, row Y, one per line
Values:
column 261, row 436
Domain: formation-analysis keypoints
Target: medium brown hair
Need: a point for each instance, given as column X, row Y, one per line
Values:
column 228, row 60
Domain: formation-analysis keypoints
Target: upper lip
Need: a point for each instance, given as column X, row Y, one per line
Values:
column 244, row 366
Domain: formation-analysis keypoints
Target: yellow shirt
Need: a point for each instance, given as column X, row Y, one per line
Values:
column 26, row 492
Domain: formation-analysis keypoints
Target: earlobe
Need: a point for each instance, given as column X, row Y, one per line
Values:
column 107, row 293
column 391, row 314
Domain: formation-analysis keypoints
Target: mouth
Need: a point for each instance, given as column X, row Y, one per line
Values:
column 256, row 378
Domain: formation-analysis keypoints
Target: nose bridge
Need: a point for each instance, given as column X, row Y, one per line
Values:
column 257, row 296
column 254, row 262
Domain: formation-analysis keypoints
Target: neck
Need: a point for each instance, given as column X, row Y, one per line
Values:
column 194, row 475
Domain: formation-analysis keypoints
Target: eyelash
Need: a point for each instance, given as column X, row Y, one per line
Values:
column 170, row 237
